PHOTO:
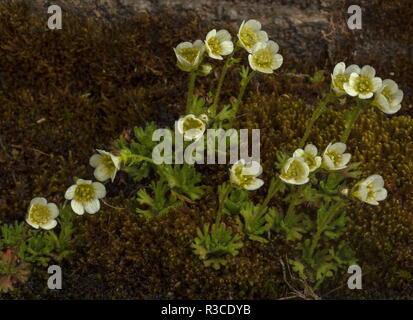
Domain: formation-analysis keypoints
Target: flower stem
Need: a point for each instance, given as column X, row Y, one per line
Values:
column 294, row 201
column 244, row 83
column 191, row 86
column 321, row 108
column 272, row 191
column 225, row 68
column 222, row 197
column 351, row 120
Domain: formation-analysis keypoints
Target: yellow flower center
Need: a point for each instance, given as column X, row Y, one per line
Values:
column 295, row 170
column 263, row 58
column 84, row 192
column 363, row 85
column 339, row 81
column 387, row 94
column 248, row 37
column 215, row 46
column 335, row 157
column 371, row 193
column 189, row 54
column 310, row 160
column 107, row 162
column 244, row 179
column 39, row 214
column 192, row 123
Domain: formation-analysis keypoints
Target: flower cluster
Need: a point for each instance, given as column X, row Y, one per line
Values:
column 84, row 195
column 363, row 83
column 263, row 53
column 297, row 169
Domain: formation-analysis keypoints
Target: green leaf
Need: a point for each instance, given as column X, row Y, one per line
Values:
column 198, row 106
column 256, row 221
column 213, row 245
column 236, row 200
column 183, row 180
column 160, row 203
column 318, row 77
column 137, row 150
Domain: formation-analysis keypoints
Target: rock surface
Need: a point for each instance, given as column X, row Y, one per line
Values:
column 313, row 31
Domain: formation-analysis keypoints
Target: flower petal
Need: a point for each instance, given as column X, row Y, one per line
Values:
column 50, row 225
column 211, row 34
column 70, row 193
column 311, row 149
column 368, row 71
column 34, row 225
column 381, row 194
column 227, row 47
column 223, row 35
column 92, row 206
column 38, row 200
column 298, row 153
column 365, row 95
column 77, row 207
column 338, row 147
column 253, row 24
column 349, row 90
column 339, row 68
column 95, row 160
column 376, row 82
column 256, row 184
column 100, row 190
column 353, row 69
column 53, row 209
column 101, row 173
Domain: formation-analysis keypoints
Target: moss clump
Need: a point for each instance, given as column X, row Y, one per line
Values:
column 154, row 259
column 379, row 235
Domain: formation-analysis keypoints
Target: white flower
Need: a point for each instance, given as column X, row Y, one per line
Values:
column 334, row 157
column 309, row 155
column 389, row 97
column 264, row 57
column 204, row 117
column 42, row 214
column 85, row 196
column 205, row 69
column 189, row 55
column 250, row 33
column 371, row 190
column 341, row 75
column 106, row 164
column 218, row 44
column 245, row 176
column 363, row 84
column 295, row 171
column 191, row 127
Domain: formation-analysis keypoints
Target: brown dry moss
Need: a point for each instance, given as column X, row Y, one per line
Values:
column 64, row 93
column 153, row 259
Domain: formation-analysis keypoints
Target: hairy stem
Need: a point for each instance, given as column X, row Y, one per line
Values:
column 222, row 198
column 349, row 123
column 225, row 68
column 321, row 108
column 191, row 86
column 272, row 191
column 244, row 84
